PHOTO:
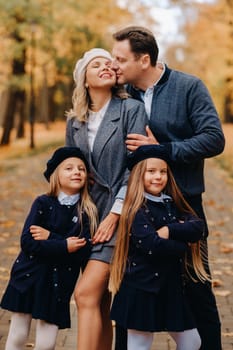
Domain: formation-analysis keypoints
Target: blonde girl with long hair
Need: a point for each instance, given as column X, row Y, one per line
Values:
column 55, row 245
column 157, row 242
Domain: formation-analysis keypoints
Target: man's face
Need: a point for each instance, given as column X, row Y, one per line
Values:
column 127, row 66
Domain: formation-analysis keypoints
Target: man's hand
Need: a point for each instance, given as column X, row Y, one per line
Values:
column 135, row 140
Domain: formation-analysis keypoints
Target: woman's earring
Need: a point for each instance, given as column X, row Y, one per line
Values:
column 86, row 85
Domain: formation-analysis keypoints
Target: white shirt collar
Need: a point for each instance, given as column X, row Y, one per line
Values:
column 160, row 198
column 147, row 96
column 65, row 199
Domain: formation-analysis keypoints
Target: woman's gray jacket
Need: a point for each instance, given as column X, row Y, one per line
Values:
column 108, row 159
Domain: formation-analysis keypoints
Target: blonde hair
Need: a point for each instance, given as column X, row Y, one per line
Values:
column 82, row 101
column 85, row 204
column 133, row 201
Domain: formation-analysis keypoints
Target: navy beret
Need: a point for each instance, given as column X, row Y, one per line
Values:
column 61, row 154
column 148, row 151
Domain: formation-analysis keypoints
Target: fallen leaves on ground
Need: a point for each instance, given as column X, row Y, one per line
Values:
column 217, row 283
column 222, row 293
column 226, row 248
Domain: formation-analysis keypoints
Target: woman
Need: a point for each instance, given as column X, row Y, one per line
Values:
column 98, row 124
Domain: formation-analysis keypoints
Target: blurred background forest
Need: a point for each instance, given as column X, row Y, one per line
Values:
column 41, row 40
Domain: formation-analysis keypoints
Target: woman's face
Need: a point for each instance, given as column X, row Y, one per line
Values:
column 99, row 74
column 155, row 177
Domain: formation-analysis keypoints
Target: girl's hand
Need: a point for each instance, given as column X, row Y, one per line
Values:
column 39, row 233
column 163, row 232
column 74, row 244
column 106, row 228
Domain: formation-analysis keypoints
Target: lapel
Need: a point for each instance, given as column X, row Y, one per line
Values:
column 107, row 128
column 81, row 141
column 81, row 137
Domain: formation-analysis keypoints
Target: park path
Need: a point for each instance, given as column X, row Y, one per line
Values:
column 21, row 180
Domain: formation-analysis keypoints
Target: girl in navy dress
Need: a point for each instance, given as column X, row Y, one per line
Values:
column 157, row 242
column 55, row 244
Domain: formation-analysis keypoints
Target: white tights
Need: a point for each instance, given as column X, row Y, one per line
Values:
column 46, row 333
column 186, row 340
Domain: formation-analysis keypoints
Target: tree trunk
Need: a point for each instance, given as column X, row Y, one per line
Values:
column 8, row 123
column 17, row 93
column 228, row 110
column 21, row 109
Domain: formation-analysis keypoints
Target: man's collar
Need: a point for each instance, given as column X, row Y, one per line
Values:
column 161, row 80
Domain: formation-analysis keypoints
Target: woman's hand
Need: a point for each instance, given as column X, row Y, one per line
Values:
column 74, row 244
column 39, row 233
column 106, row 228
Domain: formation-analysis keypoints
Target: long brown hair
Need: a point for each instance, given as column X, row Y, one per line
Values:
column 133, row 201
column 85, row 204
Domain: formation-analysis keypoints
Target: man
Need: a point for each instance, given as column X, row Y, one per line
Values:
column 182, row 116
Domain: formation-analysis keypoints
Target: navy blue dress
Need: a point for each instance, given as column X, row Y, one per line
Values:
column 44, row 274
column 152, row 294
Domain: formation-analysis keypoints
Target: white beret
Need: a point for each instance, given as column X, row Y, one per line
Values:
column 82, row 63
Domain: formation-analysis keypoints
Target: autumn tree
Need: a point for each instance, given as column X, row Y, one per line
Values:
column 61, row 32
column 206, row 49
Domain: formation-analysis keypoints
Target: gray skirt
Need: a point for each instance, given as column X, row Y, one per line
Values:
column 103, row 251
column 104, row 254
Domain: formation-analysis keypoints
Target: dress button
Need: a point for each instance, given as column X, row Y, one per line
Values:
column 156, row 274
column 145, row 226
column 28, row 274
column 150, row 252
column 134, row 264
column 140, row 241
column 55, row 284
